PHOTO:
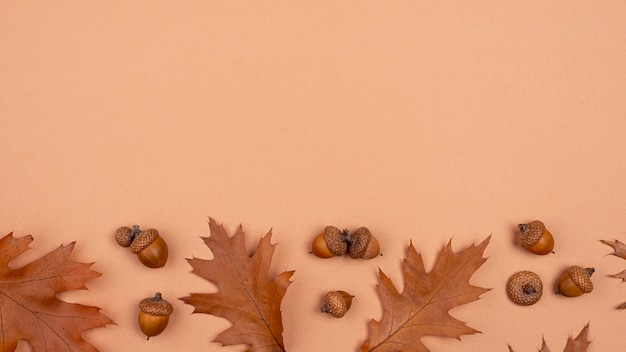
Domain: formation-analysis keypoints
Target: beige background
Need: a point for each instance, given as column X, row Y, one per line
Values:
column 423, row 121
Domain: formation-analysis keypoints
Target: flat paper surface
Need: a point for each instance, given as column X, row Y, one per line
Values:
column 422, row 121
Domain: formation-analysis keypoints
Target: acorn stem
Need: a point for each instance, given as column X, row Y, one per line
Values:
column 590, row 271
column 529, row 289
column 135, row 231
column 157, row 296
column 345, row 235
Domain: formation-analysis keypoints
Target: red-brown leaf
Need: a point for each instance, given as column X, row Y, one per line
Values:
column 422, row 308
column 246, row 297
column 579, row 344
column 619, row 248
column 29, row 308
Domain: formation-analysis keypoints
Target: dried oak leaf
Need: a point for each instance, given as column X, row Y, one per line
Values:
column 422, row 308
column 579, row 344
column 619, row 250
column 29, row 308
column 246, row 297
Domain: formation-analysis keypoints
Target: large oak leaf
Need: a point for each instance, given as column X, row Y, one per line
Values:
column 29, row 308
column 579, row 344
column 247, row 297
column 422, row 307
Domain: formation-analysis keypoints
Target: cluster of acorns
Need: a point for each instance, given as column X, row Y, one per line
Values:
column 525, row 287
column 332, row 242
column 360, row 244
column 151, row 250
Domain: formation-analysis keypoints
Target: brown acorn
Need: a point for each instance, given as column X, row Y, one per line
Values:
column 150, row 248
column 536, row 238
column 330, row 243
column 524, row 288
column 154, row 314
column 575, row 281
column 337, row 303
column 124, row 235
column 362, row 244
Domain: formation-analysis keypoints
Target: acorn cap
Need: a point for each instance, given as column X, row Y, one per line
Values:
column 531, row 233
column 143, row 240
column 581, row 277
column 124, row 236
column 335, row 240
column 524, row 288
column 359, row 240
column 337, row 303
column 156, row 306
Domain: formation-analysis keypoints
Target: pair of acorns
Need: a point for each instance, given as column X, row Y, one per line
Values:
column 148, row 245
column 335, row 243
column 151, row 250
column 525, row 287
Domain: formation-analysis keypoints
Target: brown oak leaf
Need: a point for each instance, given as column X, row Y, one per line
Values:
column 619, row 250
column 247, row 297
column 422, row 308
column 579, row 344
column 621, row 275
column 29, row 308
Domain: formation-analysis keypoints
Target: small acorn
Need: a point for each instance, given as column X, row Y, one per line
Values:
column 337, row 303
column 536, row 238
column 575, row 281
column 362, row 244
column 154, row 314
column 124, row 235
column 330, row 243
column 150, row 248
column 524, row 288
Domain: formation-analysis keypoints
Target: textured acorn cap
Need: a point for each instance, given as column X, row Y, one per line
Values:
column 359, row 240
column 156, row 306
column 335, row 241
column 524, row 288
column 581, row 277
column 143, row 240
column 531, row 233
column 124, row 236
column 337, row 303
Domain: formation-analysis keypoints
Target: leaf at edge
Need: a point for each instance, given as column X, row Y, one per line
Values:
column 246, row 296
column 580, row 344
column 422, row 308
column 619, row 248
column 29, row 308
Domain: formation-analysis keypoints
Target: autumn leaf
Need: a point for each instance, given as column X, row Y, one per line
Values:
column 422, row 308
column 29, row 308
column 619, row 250
column 246, row 297
column 579, row 344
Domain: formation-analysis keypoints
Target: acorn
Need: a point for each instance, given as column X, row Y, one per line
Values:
column 524, row 288
column 536, row 238
column 337, row 303
column 124, row 235
column 154, row 314
column 150, row 248
column 575, row 281
column 330, row 243
column 362, row 244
